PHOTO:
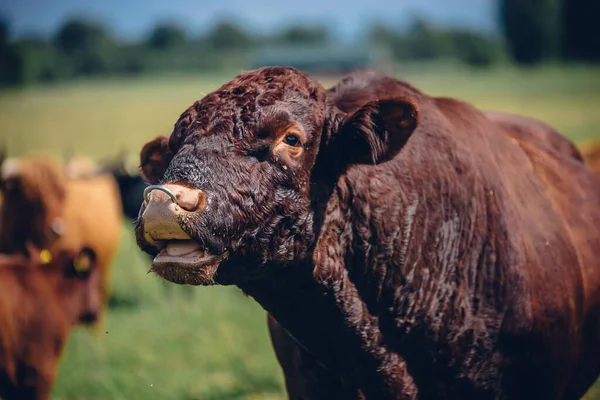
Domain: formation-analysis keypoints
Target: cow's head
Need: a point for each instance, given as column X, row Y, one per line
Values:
column 240, row 173
column 33, row 191
column 74, row 279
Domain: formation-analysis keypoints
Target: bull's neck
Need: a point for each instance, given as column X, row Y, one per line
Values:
column 329, row 323
column 297, row 302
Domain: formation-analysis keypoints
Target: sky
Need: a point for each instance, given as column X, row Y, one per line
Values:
column 132, row 19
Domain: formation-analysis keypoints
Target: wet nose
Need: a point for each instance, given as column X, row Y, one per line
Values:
column 189, row 199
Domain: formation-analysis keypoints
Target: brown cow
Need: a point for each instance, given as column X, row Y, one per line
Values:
column 40, row 302
column 411, row 247
column 45, row 207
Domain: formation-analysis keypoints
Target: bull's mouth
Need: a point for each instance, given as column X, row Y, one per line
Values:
column 185, row 252
column 186, row 261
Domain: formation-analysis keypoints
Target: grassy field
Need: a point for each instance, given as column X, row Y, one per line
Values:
column 212, row 343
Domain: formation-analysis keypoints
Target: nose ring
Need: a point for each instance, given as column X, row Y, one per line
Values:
column 162, row 189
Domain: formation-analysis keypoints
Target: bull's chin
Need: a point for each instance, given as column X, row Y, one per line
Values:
column 186, row 262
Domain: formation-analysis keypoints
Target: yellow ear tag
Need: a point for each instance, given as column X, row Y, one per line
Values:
column 82, row 263
column 45, row 256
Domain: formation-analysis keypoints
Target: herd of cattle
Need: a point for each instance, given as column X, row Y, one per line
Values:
column 61, row 222
column 60, row 227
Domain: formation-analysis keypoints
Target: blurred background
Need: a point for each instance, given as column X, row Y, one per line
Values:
column 99, row 79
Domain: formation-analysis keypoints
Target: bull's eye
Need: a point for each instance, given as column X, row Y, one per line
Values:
column 291, row 140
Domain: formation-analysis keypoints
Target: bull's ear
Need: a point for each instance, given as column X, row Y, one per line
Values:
column 374, row 133
column 154, row 159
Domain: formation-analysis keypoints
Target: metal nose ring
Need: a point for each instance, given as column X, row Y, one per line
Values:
column 162, row 189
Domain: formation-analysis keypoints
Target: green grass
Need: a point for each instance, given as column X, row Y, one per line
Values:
column 202, row 344
column 212, row 343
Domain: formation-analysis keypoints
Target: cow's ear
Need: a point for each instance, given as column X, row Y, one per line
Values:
column 374, row 133
column 154, row 159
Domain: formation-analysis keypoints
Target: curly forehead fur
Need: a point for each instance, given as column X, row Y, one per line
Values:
column 235, row 107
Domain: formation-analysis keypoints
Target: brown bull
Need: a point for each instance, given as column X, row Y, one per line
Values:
column 410, row 248
column 351, row 93
column 40, row 302
column 45, row 207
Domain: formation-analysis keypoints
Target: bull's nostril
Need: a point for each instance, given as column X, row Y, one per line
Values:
column 190, row 199
column 162, row 189
column 187, row 198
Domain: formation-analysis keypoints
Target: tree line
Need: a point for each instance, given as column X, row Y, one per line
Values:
column 85, row 48
column 533, row 32
column 537, row 31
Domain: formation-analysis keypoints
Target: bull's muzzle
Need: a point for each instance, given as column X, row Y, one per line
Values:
column 167, row 204
column 189, row 199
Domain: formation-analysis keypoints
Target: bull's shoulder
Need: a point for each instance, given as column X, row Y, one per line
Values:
column 447, row 201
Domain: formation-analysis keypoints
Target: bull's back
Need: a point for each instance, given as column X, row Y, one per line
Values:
column 531, row 205
column 557, row 163
column 575, row 191
column 561, row 207
column 536, row 132
column 536, row 196
column 572, row 188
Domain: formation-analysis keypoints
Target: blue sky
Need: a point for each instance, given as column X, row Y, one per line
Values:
column 347, row 18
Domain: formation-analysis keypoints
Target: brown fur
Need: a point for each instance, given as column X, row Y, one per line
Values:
column 526, row 128
column 409, row 249
column 359, row 88
column 40, row 305
column 40, row 192
column 350, row 94
column 591, row 155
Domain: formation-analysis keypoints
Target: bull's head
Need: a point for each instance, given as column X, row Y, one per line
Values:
column 243, row 171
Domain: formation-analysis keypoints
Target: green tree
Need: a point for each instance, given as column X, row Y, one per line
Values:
column 11, row 63
column 532, row 29
column 40, row 62
column 424, row 42
column 382, row 35
column 87, row 47
column 476, row 49
column 4, row 30
column 166, row 36
column 226, row 35
column 581, row 30
column 304, row 35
